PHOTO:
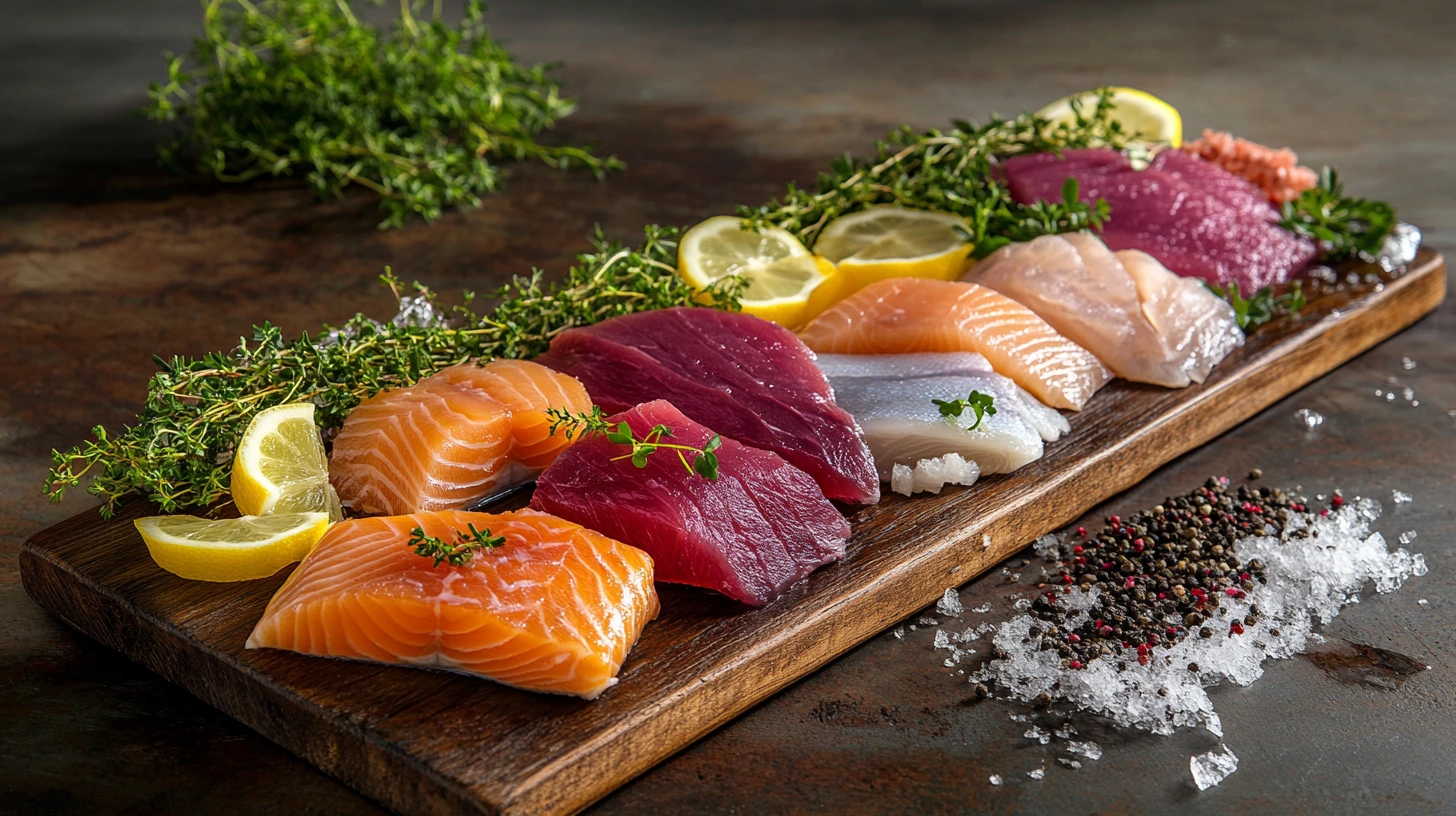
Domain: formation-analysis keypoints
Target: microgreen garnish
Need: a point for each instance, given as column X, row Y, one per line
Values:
column 982, row 405
column 459, row 551
column 1344, row 227
column 1264, row 305
column 421, row 114
column 704, row 463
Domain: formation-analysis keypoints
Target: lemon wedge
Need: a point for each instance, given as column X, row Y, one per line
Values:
column 893, row 242
column 1145, row 117
column 238, row 549
column 781, row 273
column 280, row 465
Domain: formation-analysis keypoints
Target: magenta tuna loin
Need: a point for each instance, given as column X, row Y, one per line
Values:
column 1196, row 218
column 745, row 378
column 762, row 525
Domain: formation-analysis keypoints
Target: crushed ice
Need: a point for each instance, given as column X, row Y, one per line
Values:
column 1309, row 419
column 950, row 604
column 1213, row 767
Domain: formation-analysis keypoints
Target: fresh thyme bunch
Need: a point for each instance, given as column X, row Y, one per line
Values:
column 420, row 114
column 1343, row 226
column 178, row 452
column 953, row 171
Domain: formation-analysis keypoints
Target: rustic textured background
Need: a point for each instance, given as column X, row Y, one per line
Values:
column 104, row 261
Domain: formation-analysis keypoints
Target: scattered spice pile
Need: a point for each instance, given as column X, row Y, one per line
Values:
column 1161, row 574
column 1139, row 618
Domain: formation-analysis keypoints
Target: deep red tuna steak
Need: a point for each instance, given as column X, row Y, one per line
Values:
column 745, row 378
column 1196, row 218
column 762, row 525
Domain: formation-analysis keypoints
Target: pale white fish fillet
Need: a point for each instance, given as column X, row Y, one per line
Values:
column 902, row 425
column 930, row 475
column 1198, row 327
column 1075, row 283
column 1046, row 421
column 1043, row 419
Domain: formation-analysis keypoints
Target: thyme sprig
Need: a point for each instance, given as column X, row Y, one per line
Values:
column 457, row 552
column 421, row 114
column 954, row 171
column 1264, row 305
column 577, row 425
column 1343, row 226
column 982, row 405
column 177, row 454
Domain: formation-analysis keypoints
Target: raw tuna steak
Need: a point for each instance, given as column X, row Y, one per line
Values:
column 1196, row 218
column 743, row 377
column 762, row 525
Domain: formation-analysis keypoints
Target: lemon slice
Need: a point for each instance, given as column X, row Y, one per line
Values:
column 280, row 466
column 893, row 242
column 238, row 549
column 1145, row 117
column 780, row 272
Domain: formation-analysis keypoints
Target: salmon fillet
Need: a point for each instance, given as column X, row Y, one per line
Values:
column 906, row 315
column 555, row 608
column 452, row 438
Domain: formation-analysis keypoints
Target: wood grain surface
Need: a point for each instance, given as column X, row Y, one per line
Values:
column 436, row 743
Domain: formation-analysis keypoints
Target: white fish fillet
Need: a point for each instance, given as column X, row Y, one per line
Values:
column 1145, row 323
column 1198, row 327
column 1046, row 421
column 902, row 425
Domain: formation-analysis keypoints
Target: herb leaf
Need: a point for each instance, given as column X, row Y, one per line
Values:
column 1264, row 305
column 420, row 115
column 1343, row 226
column 458, row 552
column 704, row 462
column 982, row 405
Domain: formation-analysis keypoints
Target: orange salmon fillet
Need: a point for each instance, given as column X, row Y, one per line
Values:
column 555, row 608
column 906, row 315
column 452, row 438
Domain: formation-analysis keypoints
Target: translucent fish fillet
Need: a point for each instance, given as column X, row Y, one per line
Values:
column 1151, row 327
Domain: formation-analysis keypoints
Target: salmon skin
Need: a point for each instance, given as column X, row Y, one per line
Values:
column 762, row 525
column 1195, row 217
column 453, row 438
column 745, row 378
column 555, row 608
column 907, row 315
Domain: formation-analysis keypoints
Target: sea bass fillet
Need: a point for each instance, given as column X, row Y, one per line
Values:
column 894, row 402
column 904, row 315
column 745, row 378
column 554, row 608
column 762, row 525
column 1147, row 324
column 1193, row 216
column 452, row 438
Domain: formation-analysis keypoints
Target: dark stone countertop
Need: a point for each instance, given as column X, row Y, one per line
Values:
column 105, row 261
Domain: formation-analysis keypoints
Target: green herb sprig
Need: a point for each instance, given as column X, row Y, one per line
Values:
column 577, row 425
column 458, row 552
column 953, row 171
column 982, row 405
column 420, row 114
column 177, row 454
column 1344, row 227
column 1264, row 305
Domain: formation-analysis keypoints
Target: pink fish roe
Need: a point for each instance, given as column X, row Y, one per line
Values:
column 1277, row 172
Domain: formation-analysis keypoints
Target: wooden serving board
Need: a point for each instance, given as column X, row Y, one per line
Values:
column 434, row 743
